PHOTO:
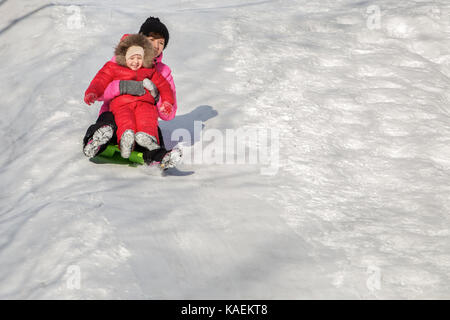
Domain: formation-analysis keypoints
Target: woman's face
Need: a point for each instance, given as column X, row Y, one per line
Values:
column 158, row 44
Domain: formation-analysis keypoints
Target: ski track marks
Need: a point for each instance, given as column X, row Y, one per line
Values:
column 364, row 151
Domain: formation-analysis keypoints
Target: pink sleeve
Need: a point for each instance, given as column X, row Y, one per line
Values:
column 104, row 108
column 167, row 74
column 112, row 91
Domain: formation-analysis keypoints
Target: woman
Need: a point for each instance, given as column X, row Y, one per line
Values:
column 100, row 134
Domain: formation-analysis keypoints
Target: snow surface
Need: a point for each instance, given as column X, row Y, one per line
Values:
column 359, row 208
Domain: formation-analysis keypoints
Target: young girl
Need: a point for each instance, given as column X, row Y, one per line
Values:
column 136, row 116
column 99, row 135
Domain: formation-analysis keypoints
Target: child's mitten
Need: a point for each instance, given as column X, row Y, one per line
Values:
column 135, row 88
column 150, row 86
column 90, row 97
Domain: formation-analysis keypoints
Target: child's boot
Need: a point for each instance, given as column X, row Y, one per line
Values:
column 126, row 143
column 147, row 141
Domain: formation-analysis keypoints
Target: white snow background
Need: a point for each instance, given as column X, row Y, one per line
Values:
column 358, row 92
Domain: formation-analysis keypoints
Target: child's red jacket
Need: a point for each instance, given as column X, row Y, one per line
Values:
column 143, row 107
column 112, row 71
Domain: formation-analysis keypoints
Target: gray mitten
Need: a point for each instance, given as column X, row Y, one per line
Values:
column 135, row 88
column 150, row 86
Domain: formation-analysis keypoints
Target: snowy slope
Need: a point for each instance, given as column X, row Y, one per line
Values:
column 357, row 91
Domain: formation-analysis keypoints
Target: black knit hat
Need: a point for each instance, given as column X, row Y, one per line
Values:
column 153, row 25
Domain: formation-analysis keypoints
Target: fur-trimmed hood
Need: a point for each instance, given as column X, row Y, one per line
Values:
column 134, row 40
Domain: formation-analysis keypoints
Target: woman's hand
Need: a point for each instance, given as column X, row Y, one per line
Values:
column 135, row 88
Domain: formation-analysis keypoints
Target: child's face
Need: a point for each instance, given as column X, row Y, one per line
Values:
column 134, row 62
column 157, row 44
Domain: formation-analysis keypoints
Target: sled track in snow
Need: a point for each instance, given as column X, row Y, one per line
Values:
column 360, row 138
